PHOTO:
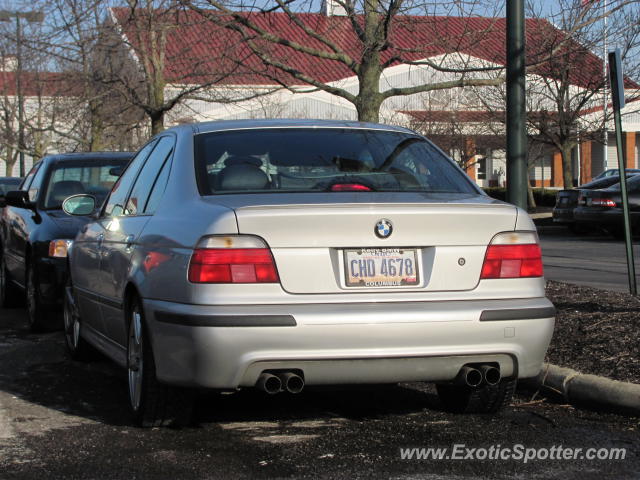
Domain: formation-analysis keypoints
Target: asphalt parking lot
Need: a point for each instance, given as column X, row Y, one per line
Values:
column 595, row 260
column 65, row 419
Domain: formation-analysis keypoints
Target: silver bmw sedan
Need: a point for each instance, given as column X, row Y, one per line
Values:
column 280, row 254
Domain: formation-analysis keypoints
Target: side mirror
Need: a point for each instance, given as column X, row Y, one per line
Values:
column 19, row 199
column 82, row 204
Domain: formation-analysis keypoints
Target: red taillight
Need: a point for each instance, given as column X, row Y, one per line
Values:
column 349, row 187
column 512, row 261
column 603, row 202
column 232, row 265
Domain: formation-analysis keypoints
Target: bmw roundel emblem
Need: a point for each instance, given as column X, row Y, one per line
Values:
column 384, row 228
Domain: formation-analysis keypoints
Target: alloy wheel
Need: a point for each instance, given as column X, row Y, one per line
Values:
column 135, row 360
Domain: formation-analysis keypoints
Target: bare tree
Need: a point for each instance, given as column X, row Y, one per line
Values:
column 572, row 81
column 362, row 41
column 155, row 67
column 101, row 119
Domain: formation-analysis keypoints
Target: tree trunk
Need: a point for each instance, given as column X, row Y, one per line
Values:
column 96, row 141
column 369, row 98
column 157, row 123
column 532, row 200
column 368, row 108
column 567, row 171
column 9, row 166
column 97, row 131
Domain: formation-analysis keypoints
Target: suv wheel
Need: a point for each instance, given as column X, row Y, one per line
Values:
column 9, row 294
column 152, row 403
column 483, row 399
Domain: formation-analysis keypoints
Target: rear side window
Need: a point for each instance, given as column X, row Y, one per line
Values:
column 116, row 201
column 323, row 160
column 158, row 187
column 144, row 183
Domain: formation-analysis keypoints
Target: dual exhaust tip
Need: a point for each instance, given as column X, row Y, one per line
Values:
column 476, row 376
column 279, row 382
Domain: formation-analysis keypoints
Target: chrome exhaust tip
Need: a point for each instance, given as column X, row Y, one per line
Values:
column 469, row 376
column 269, row 383
column 490, row 374
column 292, row 382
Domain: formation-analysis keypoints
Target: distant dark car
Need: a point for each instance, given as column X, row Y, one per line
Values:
column 35, row 233
column 615, row 172
column 567, row 200
column 603, row 208
column 9, row 183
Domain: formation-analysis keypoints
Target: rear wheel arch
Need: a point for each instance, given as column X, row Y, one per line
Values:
column 130, row 293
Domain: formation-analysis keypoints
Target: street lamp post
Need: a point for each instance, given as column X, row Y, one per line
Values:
column 516, row 114
column 32, row 16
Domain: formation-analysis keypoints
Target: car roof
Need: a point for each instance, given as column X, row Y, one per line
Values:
column 206, row 127
column 64, row 157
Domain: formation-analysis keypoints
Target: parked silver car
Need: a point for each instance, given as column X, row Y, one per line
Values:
column 275, row 254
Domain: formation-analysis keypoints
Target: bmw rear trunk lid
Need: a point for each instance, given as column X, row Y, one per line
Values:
column 354, row 242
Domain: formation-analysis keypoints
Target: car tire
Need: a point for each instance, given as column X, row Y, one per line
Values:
column 152, row 403
column 9, row 294
column 77, row 346
column 36, row 313
column 483, row 399
column 616, row 232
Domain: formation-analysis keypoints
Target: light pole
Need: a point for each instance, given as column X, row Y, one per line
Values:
column 32, row 16
column 516, row 113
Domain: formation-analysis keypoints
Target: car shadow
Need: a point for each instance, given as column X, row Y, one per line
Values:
column 352, row 402
column 36, row 368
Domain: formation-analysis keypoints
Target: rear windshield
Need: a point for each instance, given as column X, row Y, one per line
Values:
column 322, row 160
column 73, row 177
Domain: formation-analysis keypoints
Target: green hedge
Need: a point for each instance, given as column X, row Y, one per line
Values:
column 543, row 197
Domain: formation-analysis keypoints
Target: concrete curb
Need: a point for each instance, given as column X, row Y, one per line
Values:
column 587, row 390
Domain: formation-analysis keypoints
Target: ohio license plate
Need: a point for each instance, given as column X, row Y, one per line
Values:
column 381, row 267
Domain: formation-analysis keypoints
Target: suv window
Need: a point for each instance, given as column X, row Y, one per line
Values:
column 36, row 184
column 115, row 203
column 144, row 183
column 29, row 178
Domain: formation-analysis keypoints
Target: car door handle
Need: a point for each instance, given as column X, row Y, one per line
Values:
column 100, row 239
column 129, row 240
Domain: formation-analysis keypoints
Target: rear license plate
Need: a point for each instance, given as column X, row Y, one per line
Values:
column 381, row 267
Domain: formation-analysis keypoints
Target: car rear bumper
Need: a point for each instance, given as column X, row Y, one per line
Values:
column 228, row 347
column 601, row 217
column 563, row 215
